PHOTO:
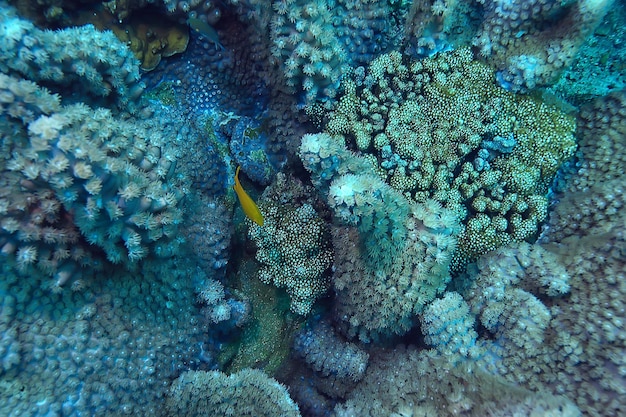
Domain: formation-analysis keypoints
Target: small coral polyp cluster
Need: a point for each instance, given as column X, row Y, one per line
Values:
column 293, row 246
column 441, row 129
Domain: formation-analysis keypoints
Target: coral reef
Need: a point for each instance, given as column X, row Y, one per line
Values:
column 592, row 200
column 493, row 169
column 248, row 144
column 396, row 259
column 572, row 345
column 504, row 294
column 92, row 63
column 598, row 67
column 529, row 43
column 208, row 231
column 293, row 247
column 408, row 382
column 418, row 185
column 266, row 336
column 248, row 392
column 333, row 368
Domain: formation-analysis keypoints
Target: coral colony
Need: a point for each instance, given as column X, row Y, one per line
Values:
column 312, row 208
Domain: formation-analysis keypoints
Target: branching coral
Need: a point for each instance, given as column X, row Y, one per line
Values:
column 107, row 172
column 441, row 129
column 529, row 43
column 72, row 168
column 328, row 355
column 505, row 290
column 573, row 344
column 315, row 42
column 448, row 326
column 110, row 350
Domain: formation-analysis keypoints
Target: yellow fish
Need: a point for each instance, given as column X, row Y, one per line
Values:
column 247, row 204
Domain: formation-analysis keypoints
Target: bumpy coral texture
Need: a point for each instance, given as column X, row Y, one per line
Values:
column 408, row 382
column 328, row 355
column 293, row 246
column 91, row 62
column 448, row 326
column 113, row 177
column 358, row 200
column 208, row 231
column 316, row 41
column 531, row 42
column 379, row 290
column 108, row 350
column 593, row 198
column 505, row 290
column 440, row 128
column 572, row 345
column 248, row 392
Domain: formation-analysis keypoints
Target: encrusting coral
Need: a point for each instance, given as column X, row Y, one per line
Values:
column 149, row 35
column 405, row 381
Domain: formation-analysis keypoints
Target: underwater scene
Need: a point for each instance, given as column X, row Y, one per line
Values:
column 313, row 208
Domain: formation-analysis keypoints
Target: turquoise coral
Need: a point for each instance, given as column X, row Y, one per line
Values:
column 79, row 177
column 449, row 212
column 393, row 257
column 84, row 57
column 108, row 173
